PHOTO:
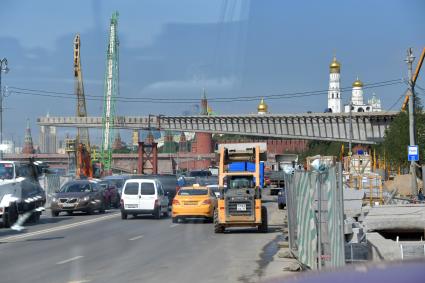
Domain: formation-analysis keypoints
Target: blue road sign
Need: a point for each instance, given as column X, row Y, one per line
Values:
column 413, row 153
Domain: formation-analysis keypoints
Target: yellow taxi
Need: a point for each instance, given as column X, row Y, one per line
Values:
column 194, row 202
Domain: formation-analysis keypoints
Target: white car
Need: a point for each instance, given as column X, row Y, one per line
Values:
column 143, row 196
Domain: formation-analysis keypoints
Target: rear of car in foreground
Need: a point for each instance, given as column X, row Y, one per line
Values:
column 194, row 202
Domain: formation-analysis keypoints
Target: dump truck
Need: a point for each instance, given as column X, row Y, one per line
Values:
column 239, row 203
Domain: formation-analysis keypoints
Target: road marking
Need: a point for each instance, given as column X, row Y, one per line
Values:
column 69, row 260
column 174, row 225
column 56, row 229
column 79, row 281
column 136, row 238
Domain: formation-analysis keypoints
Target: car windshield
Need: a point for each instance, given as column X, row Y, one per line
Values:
column 75, row 188
column 199, row 173
column 193, row 192
column 6, row 171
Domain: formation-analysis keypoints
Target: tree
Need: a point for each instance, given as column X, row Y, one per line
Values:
column 397, row 138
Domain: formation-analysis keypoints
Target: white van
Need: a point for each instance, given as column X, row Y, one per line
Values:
column 143, row 196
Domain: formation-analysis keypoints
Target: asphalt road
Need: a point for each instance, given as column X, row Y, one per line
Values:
column 104, row 248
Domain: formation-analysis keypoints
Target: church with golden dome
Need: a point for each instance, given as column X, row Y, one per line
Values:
column 357, row 98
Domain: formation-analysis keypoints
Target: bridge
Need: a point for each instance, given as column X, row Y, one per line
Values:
column 367, row 127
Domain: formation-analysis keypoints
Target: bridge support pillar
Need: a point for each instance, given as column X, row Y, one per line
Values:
column 147, row 162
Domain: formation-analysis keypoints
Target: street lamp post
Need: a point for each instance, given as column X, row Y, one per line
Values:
column 3, row 69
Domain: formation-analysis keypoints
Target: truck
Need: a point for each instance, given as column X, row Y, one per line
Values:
column 284, row 163
column 20, row 191
column 239, row 203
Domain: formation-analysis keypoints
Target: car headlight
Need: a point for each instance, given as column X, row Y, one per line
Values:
column 86, row 198
column 54, row 199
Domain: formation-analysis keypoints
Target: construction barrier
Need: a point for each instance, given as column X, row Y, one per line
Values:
column 315, row 217
column 52, row 183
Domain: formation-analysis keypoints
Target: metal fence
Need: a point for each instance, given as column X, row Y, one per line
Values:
column 315, row 217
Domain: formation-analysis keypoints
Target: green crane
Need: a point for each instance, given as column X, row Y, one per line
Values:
column 111, row 91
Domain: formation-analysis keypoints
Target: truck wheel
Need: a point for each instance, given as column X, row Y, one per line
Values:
column 263, row 227
column 218, row 228
column 175, row 220
column 35, row 217
column 12, row 215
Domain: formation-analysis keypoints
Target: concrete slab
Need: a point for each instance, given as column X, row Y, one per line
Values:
column 408, row 217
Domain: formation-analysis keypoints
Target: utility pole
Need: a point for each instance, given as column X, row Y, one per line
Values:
column 3, row 69
column 412, row 129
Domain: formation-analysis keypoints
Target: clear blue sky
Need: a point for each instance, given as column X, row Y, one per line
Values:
column 176, row 48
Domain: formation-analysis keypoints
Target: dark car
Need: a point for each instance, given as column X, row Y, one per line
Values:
column 168, row 181
column 118, row 181
column 19, row 197
column 281, row 199
column 200, row 173
column 110, row 193
column 78, row 195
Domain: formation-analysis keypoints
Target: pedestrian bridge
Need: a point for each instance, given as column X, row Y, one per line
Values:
column 367, row 128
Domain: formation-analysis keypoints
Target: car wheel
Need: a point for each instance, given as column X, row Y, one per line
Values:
column 218, row 228
column 263, row 227
column 70, row 213
column 123, row 215
column 89, row 211
column 157, row 213
column 117, row 202
column 102, row 208
column 281, row 206
column 55, row 213
column 175, row 220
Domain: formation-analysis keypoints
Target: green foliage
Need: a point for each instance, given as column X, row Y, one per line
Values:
column 397, row 137
column 169, row 147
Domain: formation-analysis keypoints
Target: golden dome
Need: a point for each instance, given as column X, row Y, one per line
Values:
column 357, row 83
column 335, row 66
column 262, row 107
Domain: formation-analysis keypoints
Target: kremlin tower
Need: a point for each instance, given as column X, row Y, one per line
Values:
column 334, row 92
column 28, row 145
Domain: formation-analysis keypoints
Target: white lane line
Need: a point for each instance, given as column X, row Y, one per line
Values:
column 55, row 229
column 136, row 238
column 174, row 225
column 69, row 259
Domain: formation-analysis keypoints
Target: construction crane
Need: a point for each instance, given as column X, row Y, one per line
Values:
column 111, row 91
column 414, row 78
column 82, row 142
